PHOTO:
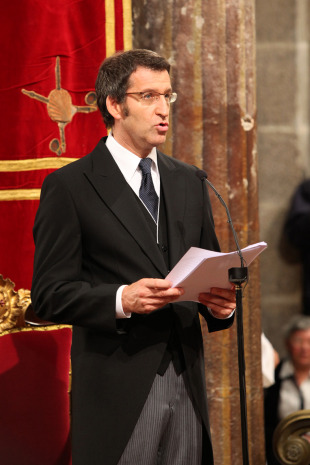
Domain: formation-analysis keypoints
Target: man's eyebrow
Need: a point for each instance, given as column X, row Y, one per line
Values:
column 153, row 90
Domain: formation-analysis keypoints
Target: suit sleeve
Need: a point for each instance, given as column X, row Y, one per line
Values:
column 59, row 294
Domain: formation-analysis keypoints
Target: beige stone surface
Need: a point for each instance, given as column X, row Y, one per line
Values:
column 279, row 171
column 275, row 20
column 276, row 85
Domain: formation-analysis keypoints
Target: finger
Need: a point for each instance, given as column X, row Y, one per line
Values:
column 216, row 302
column 154, row 283
column 167, row 293
column 157, row 283
column 228, row 294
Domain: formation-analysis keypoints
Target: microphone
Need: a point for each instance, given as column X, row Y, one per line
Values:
column 236, row 276
column 202, row 175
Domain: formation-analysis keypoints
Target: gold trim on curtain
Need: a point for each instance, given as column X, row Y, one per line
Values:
column 127, row 27
column 32, row 164
column 19, row 194
column 109, row 27
column 58, row 162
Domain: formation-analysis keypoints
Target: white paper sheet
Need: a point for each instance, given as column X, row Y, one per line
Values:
column 200, row 269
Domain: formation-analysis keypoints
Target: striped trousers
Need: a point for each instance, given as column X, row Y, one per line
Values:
column 168, row 431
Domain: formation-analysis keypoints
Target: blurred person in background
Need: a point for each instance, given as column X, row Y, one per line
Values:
column 297, row 230
column 291, row 389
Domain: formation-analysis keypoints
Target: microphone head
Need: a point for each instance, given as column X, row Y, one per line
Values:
column 202, row 175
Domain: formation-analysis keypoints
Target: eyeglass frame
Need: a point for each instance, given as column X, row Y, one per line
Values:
column 173, row 95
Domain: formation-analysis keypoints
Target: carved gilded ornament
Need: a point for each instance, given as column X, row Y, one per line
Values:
column 16, row 313
column 291, row 440
column 60, row 108
column 13, row 305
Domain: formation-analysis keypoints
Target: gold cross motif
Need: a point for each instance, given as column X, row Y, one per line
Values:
column 60, row 108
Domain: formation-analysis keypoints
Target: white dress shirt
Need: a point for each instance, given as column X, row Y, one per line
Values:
column 290, row 393
column 128, row 164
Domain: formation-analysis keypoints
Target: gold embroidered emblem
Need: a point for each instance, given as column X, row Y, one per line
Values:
column 61, row 110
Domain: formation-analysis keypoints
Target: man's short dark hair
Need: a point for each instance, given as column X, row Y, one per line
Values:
column 114, row 76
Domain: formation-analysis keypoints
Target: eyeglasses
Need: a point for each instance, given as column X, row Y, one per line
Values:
column 152, row 97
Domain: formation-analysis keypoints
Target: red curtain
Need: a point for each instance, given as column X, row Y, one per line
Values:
column 37, row 87
column 34, row 418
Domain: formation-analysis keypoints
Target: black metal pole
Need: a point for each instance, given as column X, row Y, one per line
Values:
column 238, row 276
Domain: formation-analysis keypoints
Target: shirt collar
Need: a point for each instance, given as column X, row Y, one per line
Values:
column 287, row 370
column 127, row 161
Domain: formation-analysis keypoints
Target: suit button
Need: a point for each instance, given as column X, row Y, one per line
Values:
column 164, row 248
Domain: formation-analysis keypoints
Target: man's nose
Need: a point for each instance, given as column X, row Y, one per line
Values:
column 162, row 106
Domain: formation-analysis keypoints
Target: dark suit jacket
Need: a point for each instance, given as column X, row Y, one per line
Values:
column 91, row 237
column 271, row 416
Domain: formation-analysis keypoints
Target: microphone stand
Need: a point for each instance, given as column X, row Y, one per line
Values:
column 238, row 276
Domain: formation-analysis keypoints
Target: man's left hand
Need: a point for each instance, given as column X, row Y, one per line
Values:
column 221, row 302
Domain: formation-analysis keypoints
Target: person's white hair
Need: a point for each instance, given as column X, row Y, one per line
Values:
column 297, row 323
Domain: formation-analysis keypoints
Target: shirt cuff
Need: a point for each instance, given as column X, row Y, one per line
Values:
column 119, row 312
column 229, row 316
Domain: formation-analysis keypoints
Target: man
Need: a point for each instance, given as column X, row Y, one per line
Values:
column 297, row 230
column 107, row 232
column 291, row 390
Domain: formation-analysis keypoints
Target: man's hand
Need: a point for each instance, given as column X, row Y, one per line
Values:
column 148, row 294
column 221, row 302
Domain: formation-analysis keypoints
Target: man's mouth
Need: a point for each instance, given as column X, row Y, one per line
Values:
column 163, row 126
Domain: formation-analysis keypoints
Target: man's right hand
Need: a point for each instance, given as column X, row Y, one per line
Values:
column 148, row 294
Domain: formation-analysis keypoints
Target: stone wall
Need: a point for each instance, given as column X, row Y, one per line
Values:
column 282, row 28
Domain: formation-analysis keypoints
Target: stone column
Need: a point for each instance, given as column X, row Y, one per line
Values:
column 211, row 47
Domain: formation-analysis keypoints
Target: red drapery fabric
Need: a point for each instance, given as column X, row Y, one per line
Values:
column 34, row 418
column 37, row 90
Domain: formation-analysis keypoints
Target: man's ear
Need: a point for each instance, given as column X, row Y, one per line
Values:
column 113, row 107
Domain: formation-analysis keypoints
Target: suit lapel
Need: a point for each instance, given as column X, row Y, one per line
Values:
column 118, row 196
column 173, row 184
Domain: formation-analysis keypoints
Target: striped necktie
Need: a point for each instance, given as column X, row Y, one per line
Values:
column 147, row 191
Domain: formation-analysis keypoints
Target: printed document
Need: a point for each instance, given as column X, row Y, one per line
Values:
column 200, row 269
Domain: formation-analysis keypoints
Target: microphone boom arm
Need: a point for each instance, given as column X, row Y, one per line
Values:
column 229, row 220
